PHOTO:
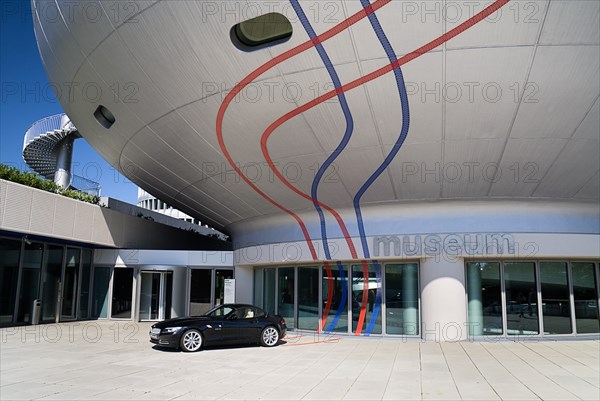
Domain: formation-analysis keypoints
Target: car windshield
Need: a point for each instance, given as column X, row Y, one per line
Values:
column 219, row 311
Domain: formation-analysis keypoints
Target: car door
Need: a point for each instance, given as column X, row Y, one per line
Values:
column 242, row 326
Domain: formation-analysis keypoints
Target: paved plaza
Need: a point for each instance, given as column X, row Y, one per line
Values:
column 113, row 360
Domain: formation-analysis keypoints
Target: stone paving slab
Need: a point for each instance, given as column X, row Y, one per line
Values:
column 108, row 360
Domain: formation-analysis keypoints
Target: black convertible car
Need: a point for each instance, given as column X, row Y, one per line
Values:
column 225, row 324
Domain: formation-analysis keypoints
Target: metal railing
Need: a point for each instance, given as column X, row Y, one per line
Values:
column 47, row 124
column 84, row 185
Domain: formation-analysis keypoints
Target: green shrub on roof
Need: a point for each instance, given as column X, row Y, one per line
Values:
column 33, row 180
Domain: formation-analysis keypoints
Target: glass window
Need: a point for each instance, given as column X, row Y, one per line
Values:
column 308, row 297
column 485, row 298
column 402, row 299
column 84, row 294
column 286, row 295
column 335, row 281
column 219, row 311
column 521, row 298
column 585, row 287
column 122, row 293
column 269, row 290
column 556, row 308
column 10, row 252
column 200, row 291
column 265, row 29
column 52, row 277
column 366, row 299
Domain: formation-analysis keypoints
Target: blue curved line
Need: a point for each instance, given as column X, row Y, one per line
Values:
column 389, row 51
column 347, row 135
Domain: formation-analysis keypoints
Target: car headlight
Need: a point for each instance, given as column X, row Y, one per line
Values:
column 171, row 330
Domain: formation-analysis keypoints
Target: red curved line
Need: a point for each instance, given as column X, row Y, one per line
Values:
column 360, row 81
column 251, row 77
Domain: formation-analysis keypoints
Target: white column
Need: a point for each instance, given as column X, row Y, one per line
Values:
column 443, row 302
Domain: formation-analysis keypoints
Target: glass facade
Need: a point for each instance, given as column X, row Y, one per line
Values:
column 308, row 297
column 556, row 305
column 485, row 298
column 341, row 298
column 402, row 299
column 366, row 298
column 287, row 291
column 57, row 275
column 585, row 290
column 564, row 294
column 335, row 282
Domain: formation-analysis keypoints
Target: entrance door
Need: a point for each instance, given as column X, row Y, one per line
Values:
column 51, row 289
column 207, row 289
column 122, row 293
column 69, row 293
column 155, row 295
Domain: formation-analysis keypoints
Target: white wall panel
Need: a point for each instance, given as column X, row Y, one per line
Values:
column 572, row 22
column 561, row 94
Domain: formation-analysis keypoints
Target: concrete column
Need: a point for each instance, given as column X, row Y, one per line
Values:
column 64, row 157
column 410, row 299
column 475, row 301
column 444, row 312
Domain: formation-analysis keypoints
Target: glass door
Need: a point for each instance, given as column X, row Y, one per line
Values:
column 200, row 291
column 155, row 295
column 52, row 283
column 70, row 281
column 122, row 293
column 100, row 292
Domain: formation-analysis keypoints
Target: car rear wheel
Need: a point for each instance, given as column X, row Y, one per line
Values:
column 269, row 336
column 191, row 341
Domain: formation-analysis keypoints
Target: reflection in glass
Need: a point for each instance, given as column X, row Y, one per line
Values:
column 366, row 289
column 485, row 298
column 286, row 295
column 30, row 281
column 308, row 298
column 337, row 318
column 84, row 293
column 220, row 276
column 69, row 288
column 52, row 277
column 200, row 291
column 585, row 287
column 269, row 290
column 402, row 299
column 556, row 308
column 10, row 252
column 122, row 293
column 521, row 298
column 100, row 292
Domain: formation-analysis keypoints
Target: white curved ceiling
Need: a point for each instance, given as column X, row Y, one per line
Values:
column 518, row 92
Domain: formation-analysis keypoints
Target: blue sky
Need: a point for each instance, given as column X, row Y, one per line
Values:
column 26, row 97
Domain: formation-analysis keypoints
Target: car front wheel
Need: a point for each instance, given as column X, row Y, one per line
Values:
column 269, row 336
column 191, row 341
